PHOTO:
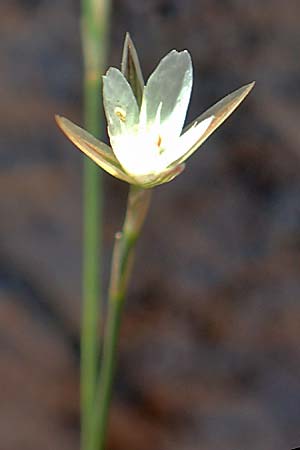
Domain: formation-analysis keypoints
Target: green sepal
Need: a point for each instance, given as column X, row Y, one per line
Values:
column 131, row 69
column 219, row 112
column 97, row 151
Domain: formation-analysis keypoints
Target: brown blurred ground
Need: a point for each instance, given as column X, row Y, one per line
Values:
column 210, row 348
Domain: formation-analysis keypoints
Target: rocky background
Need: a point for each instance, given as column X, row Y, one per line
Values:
column 210, row 346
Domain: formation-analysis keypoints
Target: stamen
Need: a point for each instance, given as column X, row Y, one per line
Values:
column 119, row 112
column 158, row 143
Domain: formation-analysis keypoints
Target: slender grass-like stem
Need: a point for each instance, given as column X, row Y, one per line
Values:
column 95, row 16
column 137, row 207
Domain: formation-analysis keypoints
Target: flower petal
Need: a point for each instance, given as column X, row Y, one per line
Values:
column 185, row 142
column 99, row 152
column 120, row 105
column 170, row 85
column 218, row 113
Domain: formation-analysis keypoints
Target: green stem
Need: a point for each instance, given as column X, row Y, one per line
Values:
column 94, row 40
column 91, row 297
column 137, row 207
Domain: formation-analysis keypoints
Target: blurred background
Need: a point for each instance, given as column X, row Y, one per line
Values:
column 210, row 345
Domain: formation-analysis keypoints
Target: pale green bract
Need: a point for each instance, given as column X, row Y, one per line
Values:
column 149, row 145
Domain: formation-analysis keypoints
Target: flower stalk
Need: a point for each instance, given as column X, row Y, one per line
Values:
column 137, row 207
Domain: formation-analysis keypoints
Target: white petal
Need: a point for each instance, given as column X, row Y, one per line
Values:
column 120, row 105
column 137, row 155
column 169, row 85
column 186, row 141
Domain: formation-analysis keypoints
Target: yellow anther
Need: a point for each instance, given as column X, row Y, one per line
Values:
column 120, row 113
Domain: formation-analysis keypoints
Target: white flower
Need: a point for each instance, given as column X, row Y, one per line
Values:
column 149, row 144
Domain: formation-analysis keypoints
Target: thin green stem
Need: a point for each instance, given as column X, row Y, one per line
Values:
column 94, row 40
column 91, row 297
column 137, row 207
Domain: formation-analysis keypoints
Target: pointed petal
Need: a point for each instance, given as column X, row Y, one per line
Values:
column 218, row 113
column 170, row 85
column 131, row 68
column 99, row 152
column 119, row 103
